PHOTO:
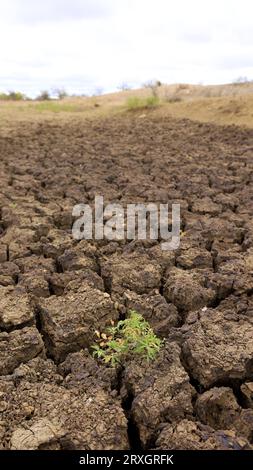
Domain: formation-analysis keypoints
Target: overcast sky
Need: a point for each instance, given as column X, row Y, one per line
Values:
column 84, row 45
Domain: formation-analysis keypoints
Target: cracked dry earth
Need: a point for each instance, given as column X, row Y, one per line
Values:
column 55, row 292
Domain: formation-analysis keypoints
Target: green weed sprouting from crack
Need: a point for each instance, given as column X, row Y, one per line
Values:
column 131, row 337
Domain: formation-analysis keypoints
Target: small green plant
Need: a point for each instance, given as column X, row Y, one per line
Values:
column 131, row 337
column 152, row 101
column 135, row 103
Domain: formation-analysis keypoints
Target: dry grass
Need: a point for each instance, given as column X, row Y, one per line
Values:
column 225, row 111
column 222, row 104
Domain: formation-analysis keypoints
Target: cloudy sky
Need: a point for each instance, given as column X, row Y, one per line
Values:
column 86, row 45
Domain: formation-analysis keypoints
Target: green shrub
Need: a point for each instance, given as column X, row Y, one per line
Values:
column 129, row 338
column 152, row 101
column 134, row 102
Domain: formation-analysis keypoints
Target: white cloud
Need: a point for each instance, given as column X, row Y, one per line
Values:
column 37, row 11
column 85, row 44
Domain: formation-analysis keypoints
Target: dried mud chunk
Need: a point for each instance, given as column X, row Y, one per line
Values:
column 244, row 424
column 41, row 432
column 8, row 273
column 248, row 238
column 219, row 347
column 73, row 281
column 161, row 391
column 249, row 260
column 185, row 290
column 162, row 257
column 69, row 322
column 206, row 206
column 80, row 369
column 233, row 267
column 86, row 277
column 3, row 253
column 195, row 258
column 63, row 220
column 242, row 284
column 135, row 272
column 41, row 226
column 220, row 229
column 218, row 408
column 223, row 251
column 56, row 242
column 247, row 394
column 242, row 280
column 17, row 347
column 189, row 435
column 227, row 183
column 154, row 308
column 228, row 201
column 38, row 264
column 222, row 284
column 61, row 418
column 58, row 282
column 214, row 228
column 237, row 307
column 35, row 284
column 37, row 370
column 15, row 308
column 79, row 258
column 19, row 242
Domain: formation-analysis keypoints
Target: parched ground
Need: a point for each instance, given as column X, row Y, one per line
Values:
column 55, row 292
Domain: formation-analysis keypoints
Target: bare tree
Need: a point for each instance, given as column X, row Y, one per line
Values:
column 153, row 85
column 43, row 96
column 60, row 93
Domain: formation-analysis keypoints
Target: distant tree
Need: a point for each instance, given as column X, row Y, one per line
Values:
column 60, row 93
column 43, row 96
column 242, row 80
column 124, row 87
column 15, row 96
column 99, row 91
